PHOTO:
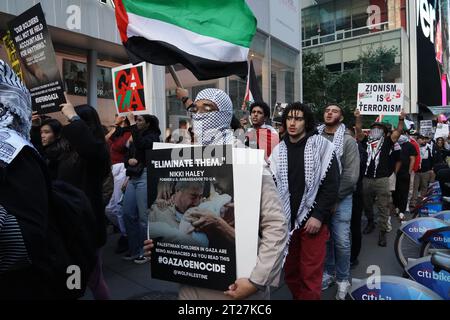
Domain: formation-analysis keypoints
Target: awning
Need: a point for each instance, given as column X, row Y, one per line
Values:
column 437, row 110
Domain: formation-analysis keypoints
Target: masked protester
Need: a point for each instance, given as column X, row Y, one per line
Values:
column 376, row 177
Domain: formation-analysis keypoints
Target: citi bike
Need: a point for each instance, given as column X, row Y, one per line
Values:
column 429, row 280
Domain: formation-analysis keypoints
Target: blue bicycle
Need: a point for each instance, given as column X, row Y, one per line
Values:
column 430, row 281
column 413, row 241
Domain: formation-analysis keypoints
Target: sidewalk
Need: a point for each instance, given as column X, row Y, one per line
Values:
column 130, row 281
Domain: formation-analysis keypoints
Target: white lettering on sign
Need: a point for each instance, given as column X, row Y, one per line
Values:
column 426, row 16
column 73, row 22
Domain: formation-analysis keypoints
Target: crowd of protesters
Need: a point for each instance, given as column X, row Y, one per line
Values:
column 318, row 182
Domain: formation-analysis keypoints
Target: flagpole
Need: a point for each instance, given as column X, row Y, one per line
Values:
column 175, row 76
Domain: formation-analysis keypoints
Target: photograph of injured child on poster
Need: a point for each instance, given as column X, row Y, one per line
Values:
column 192, row 221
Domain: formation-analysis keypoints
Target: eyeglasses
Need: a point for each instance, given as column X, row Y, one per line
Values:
column 297, row 119
column 204, row 108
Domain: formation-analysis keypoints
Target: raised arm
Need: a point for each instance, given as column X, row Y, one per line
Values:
column 358, row 126
column 398, row 132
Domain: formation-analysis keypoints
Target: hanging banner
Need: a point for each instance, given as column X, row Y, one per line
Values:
column 380, row 98
column 34, row 46
column 131, row 89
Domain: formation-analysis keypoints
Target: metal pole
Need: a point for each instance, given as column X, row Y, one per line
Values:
column 175, row 76
column 92, row 76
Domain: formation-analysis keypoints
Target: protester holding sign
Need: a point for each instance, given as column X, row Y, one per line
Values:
column 376, row 181
column 211, row 113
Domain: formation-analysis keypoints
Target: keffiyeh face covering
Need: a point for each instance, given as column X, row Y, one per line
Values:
column 375, row 134
column 214, row 127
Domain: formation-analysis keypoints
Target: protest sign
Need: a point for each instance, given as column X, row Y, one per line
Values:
column 442, row 130
column 32, row 41
column 380, row 98
column 426, row 128
column 132, row 89
column 206, row 185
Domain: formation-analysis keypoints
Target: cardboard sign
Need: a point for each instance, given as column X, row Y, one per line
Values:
column 211, row 260
column 380, row 98
column 34, row 46
column 441, row 131
column 426, row 128
column 131, row 89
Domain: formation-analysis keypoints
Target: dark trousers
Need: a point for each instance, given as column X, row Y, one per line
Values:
column 355, row 226
column 401, row 191
column 304, row 263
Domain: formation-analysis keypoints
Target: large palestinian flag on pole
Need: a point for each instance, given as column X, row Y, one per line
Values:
column 210, row 38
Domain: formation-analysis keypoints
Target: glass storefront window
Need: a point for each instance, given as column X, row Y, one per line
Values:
column 311, row 22
column 327, row 22
column 284, row 67
column 343, row 15
column 341, row 19
column 75, row 79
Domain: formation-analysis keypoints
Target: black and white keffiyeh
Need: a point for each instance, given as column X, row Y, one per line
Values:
column 319, row 153
column 15, row 102
column 374, row 145
column 214, row 127
column 15, row 115
column 338, row 141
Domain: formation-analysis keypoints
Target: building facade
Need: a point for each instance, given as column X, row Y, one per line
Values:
column 343, row 29
column 87, row 45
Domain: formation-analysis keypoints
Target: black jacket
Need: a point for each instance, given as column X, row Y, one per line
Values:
column 142, row 141
column 327, row 195
column 24, row 194
column 83, row 162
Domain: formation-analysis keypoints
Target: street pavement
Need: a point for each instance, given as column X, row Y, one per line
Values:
column 129, row 281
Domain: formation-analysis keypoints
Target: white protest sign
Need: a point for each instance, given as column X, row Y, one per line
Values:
column 441, row 131
column 380, row 98
column 247, row 175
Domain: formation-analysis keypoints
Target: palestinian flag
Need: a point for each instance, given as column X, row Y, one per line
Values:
column 252, row 92
column 210, row 38
column 393, row 121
